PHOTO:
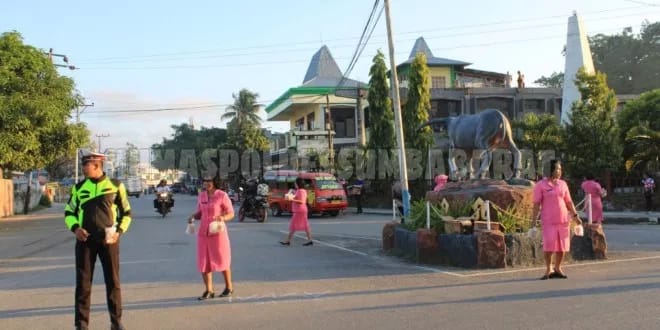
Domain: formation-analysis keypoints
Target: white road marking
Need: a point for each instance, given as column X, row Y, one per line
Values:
column 428, row 269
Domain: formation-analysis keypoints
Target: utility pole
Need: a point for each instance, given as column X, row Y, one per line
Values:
column 328, row 126
column 78, row 112
column 99, row 137
column 363, row 134
column 63, row 57
column 403, row 169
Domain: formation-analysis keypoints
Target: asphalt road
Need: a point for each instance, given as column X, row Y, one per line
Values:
column 342, row 282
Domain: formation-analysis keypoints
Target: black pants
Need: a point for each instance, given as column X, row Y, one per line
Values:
column 86, row 253
column 649, row 201
column 358, row 201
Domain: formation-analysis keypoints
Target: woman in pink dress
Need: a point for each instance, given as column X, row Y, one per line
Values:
column 593, row 188
column 299, row 219
column 552, row 198
column 213, row 249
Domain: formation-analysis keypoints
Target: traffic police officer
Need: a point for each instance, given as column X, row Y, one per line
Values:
column 98, row 213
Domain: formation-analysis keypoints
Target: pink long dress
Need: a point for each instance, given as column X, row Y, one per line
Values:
column 593, row 188
column 213, row 250
column 299, row 219
column 555, row 221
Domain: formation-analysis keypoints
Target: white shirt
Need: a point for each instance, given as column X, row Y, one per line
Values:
column 162, row 189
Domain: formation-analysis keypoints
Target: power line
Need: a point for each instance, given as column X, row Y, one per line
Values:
column 340, row 46
column 207, row 66
column 459, row 27
column 644, row 3
column 364, row 33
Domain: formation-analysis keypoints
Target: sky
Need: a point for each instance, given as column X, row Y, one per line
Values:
column 192, row 56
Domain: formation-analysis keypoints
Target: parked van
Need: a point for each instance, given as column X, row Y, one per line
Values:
column 325, row 194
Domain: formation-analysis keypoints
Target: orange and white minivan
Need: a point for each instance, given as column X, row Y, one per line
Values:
column 325, row 194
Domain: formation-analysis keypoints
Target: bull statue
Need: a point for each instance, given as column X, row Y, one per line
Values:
column 484, row 131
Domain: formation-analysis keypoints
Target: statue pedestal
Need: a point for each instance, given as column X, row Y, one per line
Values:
column 501, row 193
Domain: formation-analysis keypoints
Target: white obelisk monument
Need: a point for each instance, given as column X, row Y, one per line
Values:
column 578, row 54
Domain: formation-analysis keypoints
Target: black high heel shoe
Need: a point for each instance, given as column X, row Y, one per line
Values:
column 308, row 243
column 285, row 243
column 226, row 293
column 206, row 295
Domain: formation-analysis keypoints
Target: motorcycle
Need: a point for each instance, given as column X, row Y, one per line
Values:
column 254, row 205
column 164, row 203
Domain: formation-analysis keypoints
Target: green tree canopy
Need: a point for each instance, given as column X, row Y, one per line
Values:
column 591, row 140
column 555, row 80
column 35, row 105
column 631, row 62
column 639, row 123
column 167, row 155
column 244, row 129
column 72, row 137
column 244, row 109
column 418, row 105
column 380, row 113
column 247, row 136
column 540, row 132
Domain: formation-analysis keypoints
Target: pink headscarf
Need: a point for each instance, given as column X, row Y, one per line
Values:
column 440, row 181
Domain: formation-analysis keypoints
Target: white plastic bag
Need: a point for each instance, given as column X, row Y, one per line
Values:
column 216, row 227
column 578, row 230
column 190, row 228
column 109, row 232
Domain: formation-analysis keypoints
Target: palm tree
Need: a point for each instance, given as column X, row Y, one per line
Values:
column 646, row 145
column 245, row 108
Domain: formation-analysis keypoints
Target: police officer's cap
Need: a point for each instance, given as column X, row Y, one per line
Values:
column 88, row 156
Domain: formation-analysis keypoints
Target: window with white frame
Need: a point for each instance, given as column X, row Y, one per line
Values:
column 438, row 82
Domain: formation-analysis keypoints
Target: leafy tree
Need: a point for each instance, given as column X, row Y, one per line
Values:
column 381, row 115
column 645, row 143
column 379, row 112
column 418, row 105
column 640, row 128
column 185, row 137
column 35, row 105
column 630, row 61
column 72, row 137
column 539, row 132
column 244, row 129
column 245, row 137
column 592, row 141
column 556, row 80
column 244, row 109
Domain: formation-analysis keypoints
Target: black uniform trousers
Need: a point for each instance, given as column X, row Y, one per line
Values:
column 86, row 253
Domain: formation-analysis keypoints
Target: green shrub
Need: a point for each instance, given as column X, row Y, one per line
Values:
column 460, row 208
column 514, row 219
column 417, row 218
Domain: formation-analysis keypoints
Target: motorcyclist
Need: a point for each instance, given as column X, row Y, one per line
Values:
column 160, row 188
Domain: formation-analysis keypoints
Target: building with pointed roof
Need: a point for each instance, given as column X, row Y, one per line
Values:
column 456, row 89
column 323, row 106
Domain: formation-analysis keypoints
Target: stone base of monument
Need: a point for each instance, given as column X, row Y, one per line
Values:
column 467, row 241
column 592, row 245
column 388, row 235
column 491, row 249
column 485, row 249
column 522, row 250
column 427, row 246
